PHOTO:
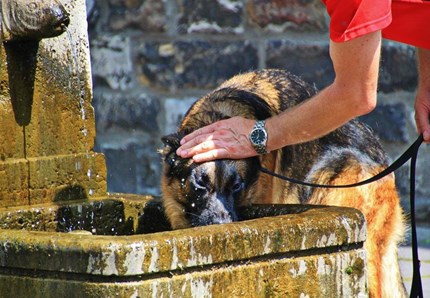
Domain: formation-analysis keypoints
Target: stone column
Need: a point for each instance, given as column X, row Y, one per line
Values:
column 47, row 126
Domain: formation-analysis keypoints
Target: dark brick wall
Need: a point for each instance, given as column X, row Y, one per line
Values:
column 152, row 58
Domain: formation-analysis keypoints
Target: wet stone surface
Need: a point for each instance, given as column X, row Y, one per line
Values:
column 111, row 216
column 117, row 216
column 124, row 246
column 47, row 127
column 42, row 19
column 314, row 250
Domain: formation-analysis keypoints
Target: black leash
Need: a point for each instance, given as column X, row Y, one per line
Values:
column 410, row 154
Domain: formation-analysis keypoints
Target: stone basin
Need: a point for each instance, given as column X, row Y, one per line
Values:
column 93, row 249
column 114, row 215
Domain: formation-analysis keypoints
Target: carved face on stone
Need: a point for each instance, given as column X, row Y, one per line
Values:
column 32, row 19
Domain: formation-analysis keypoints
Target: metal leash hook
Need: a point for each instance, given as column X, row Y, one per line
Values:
column 410, row 154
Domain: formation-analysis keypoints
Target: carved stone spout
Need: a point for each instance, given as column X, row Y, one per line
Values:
column 31, row 19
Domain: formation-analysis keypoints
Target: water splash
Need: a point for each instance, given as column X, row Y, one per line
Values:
column 82, row 95
column 76, row 71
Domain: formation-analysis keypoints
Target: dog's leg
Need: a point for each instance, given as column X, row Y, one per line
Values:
column 392, row 281
column 379, row 202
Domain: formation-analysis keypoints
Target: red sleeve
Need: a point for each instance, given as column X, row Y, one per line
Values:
column 411, row 23
column 353, row 18
column 406, row 21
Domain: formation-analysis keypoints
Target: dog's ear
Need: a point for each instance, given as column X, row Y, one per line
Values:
column 171, row 143
column 174, row 165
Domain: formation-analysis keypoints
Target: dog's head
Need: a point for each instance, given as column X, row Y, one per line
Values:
column 197, row 194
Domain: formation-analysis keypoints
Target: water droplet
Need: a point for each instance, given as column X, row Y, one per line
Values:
column 74, row 67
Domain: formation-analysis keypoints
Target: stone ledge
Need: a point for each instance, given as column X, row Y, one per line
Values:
column 316, row 253
column 331, row 275
column 66, row 177
column 51, row 179
column 331, row 228
column 14, row 182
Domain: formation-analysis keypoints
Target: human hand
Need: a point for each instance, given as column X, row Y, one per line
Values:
column 422, row 113
column 221, row 140
column 422, row 100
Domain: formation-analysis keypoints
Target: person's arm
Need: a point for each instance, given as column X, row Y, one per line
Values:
column 422, row 101
column 353, row 93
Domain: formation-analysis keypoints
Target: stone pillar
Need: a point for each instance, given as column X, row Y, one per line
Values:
column 47, row 126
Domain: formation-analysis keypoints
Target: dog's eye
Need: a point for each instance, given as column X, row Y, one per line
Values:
column 202, row 182
column 171, row 159
column 237, row 187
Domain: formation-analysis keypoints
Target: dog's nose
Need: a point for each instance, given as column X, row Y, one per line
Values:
column 223, row 217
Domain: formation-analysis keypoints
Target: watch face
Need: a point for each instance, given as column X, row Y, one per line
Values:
column 258, row 136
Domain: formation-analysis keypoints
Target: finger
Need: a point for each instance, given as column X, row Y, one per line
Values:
column 426, row 135
column 199, row 132
column 197, row 143
column 422, row 119
column 211, row 155
column 424, row 128
column 196, row 146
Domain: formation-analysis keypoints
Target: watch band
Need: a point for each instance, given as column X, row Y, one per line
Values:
column 260, row 148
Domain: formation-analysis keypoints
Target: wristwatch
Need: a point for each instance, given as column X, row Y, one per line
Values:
column 258, row 137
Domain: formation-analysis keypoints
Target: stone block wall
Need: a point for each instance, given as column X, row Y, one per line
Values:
column 151, row 59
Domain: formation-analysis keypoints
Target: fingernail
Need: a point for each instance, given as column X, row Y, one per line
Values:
column 181, row 152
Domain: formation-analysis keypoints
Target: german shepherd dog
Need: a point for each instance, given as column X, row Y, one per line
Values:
column 196, row 194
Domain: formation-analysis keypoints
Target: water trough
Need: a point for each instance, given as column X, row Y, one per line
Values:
column 314, row 253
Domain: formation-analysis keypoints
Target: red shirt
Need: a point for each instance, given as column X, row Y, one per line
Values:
column 406, row 21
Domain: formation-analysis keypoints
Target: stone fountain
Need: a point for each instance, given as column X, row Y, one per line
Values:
column 63, row 235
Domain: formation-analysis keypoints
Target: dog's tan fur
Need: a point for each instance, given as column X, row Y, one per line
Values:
column 339, row 158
